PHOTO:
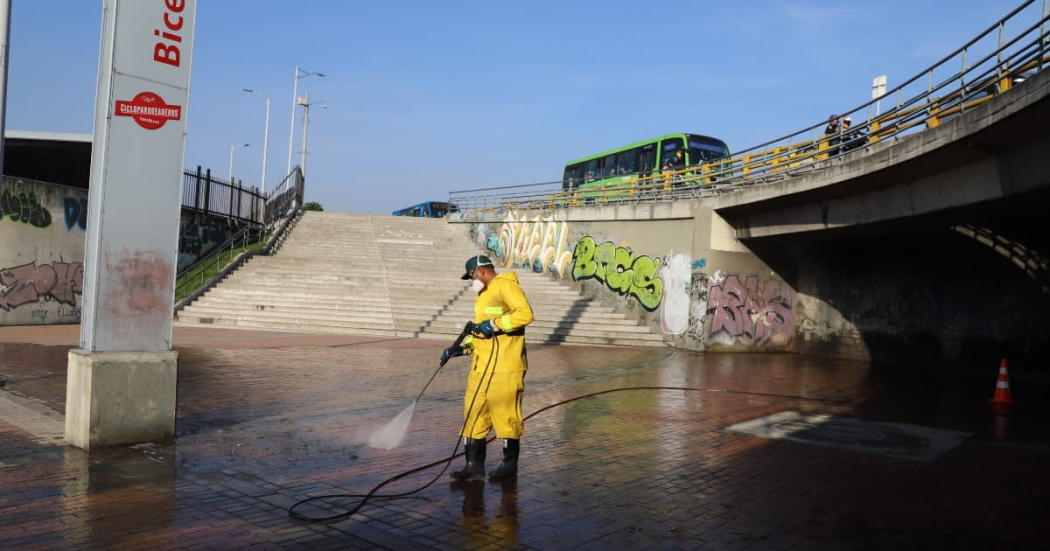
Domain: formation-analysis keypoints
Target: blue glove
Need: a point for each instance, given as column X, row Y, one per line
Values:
column 485, row 329
column 451, row 352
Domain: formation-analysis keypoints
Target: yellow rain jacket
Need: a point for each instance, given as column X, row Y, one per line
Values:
column 497, row 398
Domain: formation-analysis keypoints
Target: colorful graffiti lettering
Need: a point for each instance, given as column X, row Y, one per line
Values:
column 749, row 314
column 540, row 244
column 60, row 281
column 620, row 269
column 76, row 212
column 674, row 306
column 25, row 208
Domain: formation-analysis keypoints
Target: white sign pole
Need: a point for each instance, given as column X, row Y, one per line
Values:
column 5, row 34
column 878, row 89
column 136, row 175
column 121, row 382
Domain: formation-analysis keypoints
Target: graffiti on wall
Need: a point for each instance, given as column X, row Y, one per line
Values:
column 25, row 208
column 749, row 312
column 76, row 212
column 674, row 305
column 537, row 243
column 197, row 238
column 29, row 283
column 697, row 305
column 620, row 269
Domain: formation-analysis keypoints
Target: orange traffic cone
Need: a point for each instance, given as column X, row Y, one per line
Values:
column 1002, row 386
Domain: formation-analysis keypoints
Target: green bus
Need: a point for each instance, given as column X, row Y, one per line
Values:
column 621, row 168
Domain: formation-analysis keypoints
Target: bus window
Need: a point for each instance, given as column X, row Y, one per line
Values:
column 703, row 149
column 628, row 161
column 573, row 177
column 647, row 160
column 591, row 173
column 673, row 149
column 609, row 166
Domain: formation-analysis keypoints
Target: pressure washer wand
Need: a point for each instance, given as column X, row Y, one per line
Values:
column 462, row 335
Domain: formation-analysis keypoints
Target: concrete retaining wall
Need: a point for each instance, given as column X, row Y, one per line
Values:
column 41, row 252
column 199, row 235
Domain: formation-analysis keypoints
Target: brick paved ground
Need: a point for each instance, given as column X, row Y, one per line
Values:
column 266, row 419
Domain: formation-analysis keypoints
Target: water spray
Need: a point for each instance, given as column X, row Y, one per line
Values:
column 392, row 434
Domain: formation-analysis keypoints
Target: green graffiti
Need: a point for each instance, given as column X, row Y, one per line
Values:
column 620, row 269
column 24, row 208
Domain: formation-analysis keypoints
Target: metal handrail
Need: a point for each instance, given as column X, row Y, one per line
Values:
column 968, row 86
column 284, row 203
column 216, row 260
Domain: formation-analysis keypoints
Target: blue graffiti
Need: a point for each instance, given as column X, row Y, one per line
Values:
column 699, row 263
column 494, row 244
column 76, row 212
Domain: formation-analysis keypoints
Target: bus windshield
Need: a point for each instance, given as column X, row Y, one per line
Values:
column 704, row 149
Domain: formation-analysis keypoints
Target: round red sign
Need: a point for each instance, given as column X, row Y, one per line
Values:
column 148, row 110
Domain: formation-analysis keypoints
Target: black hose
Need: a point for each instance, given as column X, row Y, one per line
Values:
column 448, row 460
column 365, row 497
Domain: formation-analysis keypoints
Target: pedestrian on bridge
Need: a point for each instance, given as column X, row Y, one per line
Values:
column 496, row 383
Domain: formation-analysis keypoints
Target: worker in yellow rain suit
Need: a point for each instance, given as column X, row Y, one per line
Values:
column 497, row 374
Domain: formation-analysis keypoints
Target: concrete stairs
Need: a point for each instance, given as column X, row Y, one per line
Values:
column 390, row 275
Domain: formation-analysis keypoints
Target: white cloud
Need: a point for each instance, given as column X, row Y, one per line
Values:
column 810, row 18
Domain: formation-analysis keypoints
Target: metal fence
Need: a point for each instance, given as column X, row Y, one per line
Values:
column 210, row 195
column 1008, row 52
column 285, row 197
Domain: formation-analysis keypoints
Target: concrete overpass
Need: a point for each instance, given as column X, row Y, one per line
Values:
column 989, row 162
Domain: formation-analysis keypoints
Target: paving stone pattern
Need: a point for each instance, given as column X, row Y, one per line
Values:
column 266, row 419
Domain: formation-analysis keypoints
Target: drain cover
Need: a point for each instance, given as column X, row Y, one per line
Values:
column 889, row 439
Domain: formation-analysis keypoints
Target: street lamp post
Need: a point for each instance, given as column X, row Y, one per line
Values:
column 5, row 32
column 305, row 102
column 266, row 139
column 232, row 147
column 295, row 102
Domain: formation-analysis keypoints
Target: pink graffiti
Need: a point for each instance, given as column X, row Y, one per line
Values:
column 742, row 311
column 60, row 281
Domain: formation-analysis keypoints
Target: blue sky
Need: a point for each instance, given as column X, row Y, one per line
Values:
column 428, row 97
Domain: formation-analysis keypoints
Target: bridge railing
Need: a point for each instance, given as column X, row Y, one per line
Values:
column 1009, row 51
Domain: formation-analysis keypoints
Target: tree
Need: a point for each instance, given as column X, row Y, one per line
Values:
column 313, row 205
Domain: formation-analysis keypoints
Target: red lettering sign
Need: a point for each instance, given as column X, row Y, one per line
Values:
column 148, row 110
column 168, row 53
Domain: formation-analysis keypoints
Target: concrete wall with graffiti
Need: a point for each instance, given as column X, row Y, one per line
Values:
column 199, row 235
column 681, row 274
column 945, row 296
column 42, row 232
column 41, row 252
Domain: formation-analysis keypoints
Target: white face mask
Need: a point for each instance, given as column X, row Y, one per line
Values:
column 477, row 286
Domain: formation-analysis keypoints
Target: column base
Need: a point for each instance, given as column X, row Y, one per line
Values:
column 116, row 398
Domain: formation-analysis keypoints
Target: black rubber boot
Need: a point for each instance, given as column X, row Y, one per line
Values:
column 475, row 452
column 509, row 466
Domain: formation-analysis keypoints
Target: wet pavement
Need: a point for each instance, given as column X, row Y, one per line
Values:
column 266, row 419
